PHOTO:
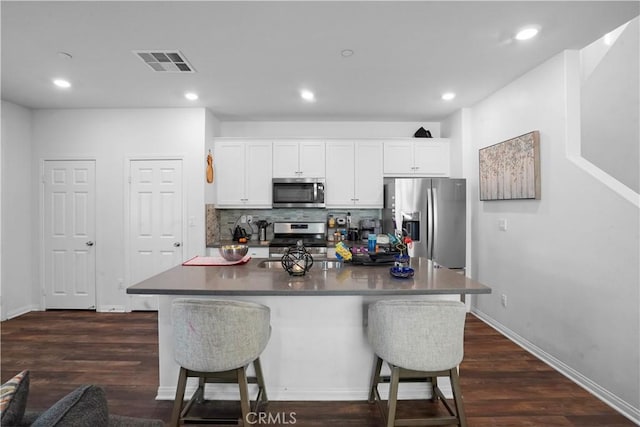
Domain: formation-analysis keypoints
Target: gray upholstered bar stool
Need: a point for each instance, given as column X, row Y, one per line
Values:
column 420, row 340
column 215, row 340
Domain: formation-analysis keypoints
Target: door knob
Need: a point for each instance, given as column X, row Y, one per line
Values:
column 89, row 243
column 176, row 244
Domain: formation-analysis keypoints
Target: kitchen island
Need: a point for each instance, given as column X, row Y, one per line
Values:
column 318, row 348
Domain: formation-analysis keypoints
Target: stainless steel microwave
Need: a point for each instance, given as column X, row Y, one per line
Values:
column 298, row 193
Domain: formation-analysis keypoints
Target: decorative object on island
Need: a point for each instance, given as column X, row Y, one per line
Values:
column 510, row 170
column 297, row 261
column 401, row 272
column 233, row 252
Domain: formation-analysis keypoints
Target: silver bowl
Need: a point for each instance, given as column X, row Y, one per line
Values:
column 233, row 252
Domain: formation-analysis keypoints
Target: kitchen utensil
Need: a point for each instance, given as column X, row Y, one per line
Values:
column 233, row 252
column 262, row 229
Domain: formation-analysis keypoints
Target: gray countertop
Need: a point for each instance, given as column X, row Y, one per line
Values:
column 251, row 279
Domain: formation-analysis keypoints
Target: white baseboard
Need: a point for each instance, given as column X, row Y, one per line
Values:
column 598, row 391
column 20, row 311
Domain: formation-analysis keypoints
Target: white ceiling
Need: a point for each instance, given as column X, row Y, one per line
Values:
column 252, row 58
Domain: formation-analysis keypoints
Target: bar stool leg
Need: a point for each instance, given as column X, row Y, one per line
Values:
column 457, row 397
column 434, row 385
column 393, row 396
column 375, row 378
column 244, row 394
column 262, row 390
column 177, row 403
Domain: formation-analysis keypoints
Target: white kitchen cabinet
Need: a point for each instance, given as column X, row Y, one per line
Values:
column 298, row 159
column 354, row 174
column 417, row 157
column 243, row 172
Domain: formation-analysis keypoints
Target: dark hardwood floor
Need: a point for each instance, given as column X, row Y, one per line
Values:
column 503, row 385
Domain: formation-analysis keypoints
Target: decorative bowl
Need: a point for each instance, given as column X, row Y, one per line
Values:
column 233, row 252
column 401, row 272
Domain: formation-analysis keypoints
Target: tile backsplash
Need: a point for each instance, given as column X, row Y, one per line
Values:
column 221, row 222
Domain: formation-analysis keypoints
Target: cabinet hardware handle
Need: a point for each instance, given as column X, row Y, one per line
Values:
column 177, row 244
column 89, row 243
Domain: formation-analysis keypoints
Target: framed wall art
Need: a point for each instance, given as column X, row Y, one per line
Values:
column 510, row 170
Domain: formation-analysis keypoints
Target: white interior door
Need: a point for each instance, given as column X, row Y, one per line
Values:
column 155, row 223
column 69, row 232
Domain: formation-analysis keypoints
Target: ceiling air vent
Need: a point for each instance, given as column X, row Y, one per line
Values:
column 167, row 61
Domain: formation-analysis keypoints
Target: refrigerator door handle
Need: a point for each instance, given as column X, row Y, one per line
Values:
column 434, row 219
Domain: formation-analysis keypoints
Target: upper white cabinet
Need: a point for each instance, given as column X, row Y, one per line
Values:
column 417, row 157
column 298, row 159
column 243, row 172
column 354, row 174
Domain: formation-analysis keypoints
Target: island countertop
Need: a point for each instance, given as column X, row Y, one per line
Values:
column 251, row 279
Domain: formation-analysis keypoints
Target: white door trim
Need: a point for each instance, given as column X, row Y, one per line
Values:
column 127, row 212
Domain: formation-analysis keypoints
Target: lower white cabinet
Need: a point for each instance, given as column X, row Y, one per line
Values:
column 417, row 157
column 243, row 172
column 354, row 174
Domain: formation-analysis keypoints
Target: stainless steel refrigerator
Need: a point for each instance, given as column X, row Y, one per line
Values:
column 432, row 211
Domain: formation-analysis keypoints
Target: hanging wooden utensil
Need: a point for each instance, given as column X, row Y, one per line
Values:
column 209, row 168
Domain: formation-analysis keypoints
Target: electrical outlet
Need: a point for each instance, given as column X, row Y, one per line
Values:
column 243, row 219
column 503, row 299
column 502, row 224
column 249, row 219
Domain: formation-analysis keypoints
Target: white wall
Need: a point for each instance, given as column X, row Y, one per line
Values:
column 610, row 105
column 17, row 281
column 568, row 263
column 111, row 136
column 326, row 129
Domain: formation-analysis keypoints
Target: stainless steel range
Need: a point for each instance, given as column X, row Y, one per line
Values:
column 287, row 234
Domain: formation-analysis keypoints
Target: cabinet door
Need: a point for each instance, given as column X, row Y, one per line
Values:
column 398, row 158
column 259, row 252
column 258, row 163
column 312, row 159
column 368, row 181
column 285, row 159
column 230, row 171
column 339, row 190
column 431, row 157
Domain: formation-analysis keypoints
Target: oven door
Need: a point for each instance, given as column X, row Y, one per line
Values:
column 298, row 193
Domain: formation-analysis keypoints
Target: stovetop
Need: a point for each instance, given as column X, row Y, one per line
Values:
column 310, row 242
column 287, row 234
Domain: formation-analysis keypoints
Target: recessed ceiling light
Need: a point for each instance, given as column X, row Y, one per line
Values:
column 62, row 83
column 448, row 96
column 307, row 95
column 191, row 96
column 527, row 33
column 346, row 53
